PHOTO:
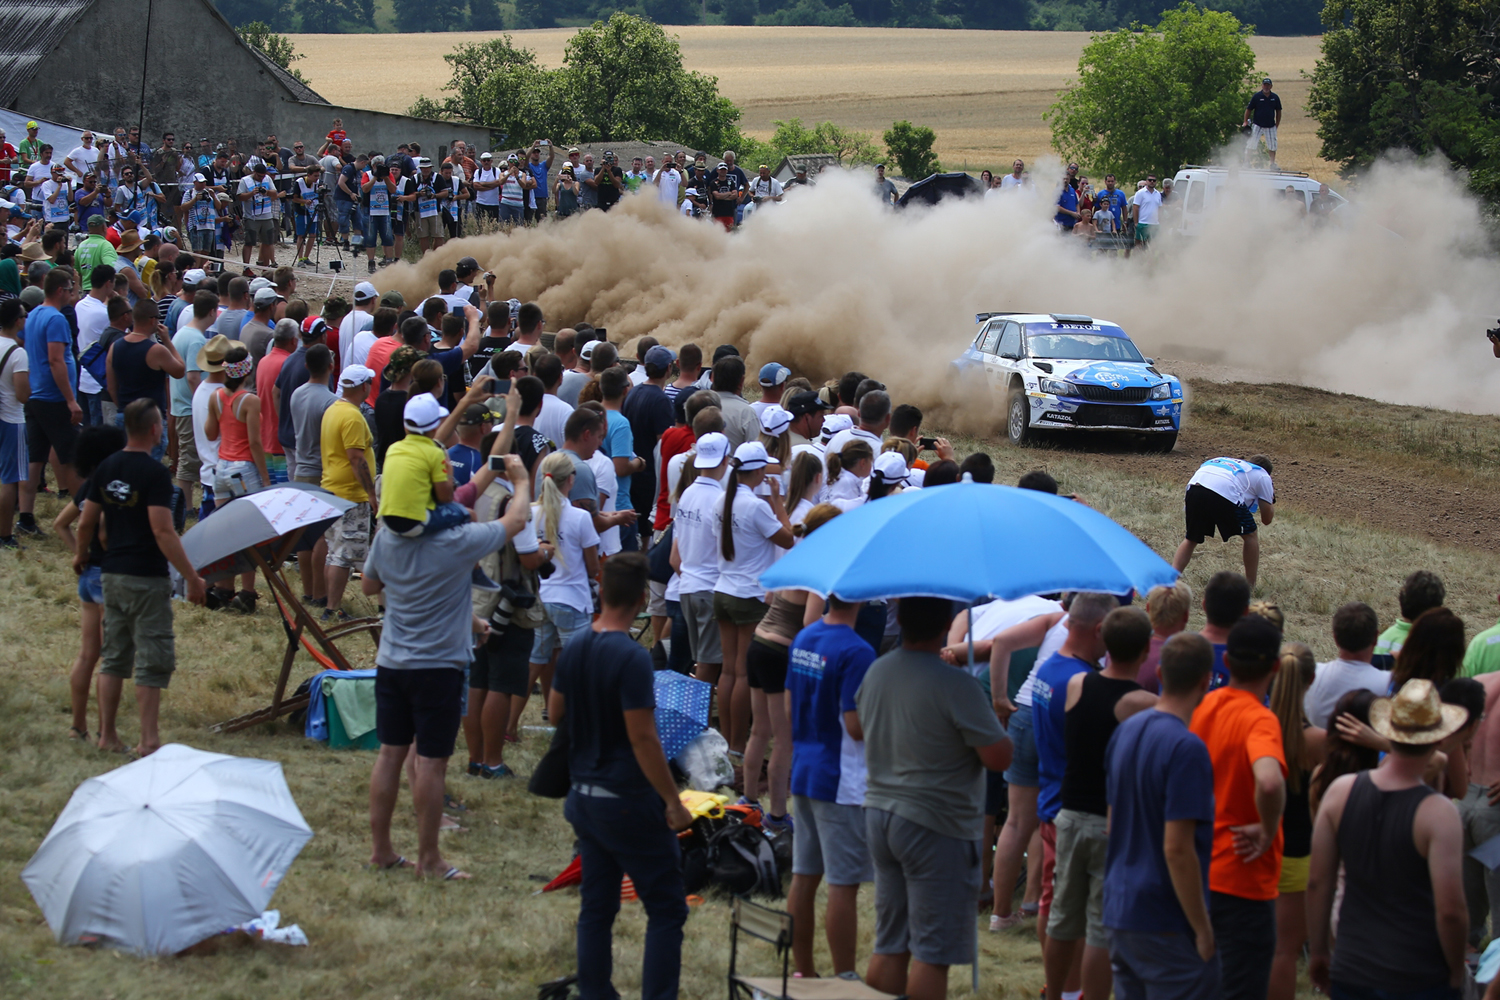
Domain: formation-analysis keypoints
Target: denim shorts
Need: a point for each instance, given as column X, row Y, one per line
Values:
column 378, row 227
column 91, row 585
column 511, row 214
column 1023, row 761
column 563, row 622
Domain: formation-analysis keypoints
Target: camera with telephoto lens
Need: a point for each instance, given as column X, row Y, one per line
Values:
column 380, row 171
column 1493, row 334
column 512, row 599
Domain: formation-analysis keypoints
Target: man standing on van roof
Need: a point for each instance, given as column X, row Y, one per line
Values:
column 1263, row 115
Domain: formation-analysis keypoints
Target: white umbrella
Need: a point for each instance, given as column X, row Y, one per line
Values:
column 157, row 855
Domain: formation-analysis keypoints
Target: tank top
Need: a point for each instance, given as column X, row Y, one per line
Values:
column 1387, row 927
column 234, row 436
column 1296, row 821
column 783, row 618
column 567, row 201
column 1088, row 727
column 134, row 378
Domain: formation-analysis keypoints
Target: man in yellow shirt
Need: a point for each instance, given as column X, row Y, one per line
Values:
column 348, row 461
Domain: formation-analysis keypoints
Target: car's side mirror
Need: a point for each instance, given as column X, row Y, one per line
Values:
column 1150, row 361
column 1011, row 357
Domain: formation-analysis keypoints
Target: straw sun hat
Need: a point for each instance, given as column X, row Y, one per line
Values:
column 1415, row 715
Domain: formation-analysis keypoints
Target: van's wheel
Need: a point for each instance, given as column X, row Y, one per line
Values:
column 1018, row 420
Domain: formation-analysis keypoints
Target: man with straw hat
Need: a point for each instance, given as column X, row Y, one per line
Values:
column 1403, row 924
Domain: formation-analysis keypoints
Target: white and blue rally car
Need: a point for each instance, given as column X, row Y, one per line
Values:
column 1060, row 372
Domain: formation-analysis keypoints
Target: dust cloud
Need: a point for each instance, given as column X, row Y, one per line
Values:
column 1391, row 303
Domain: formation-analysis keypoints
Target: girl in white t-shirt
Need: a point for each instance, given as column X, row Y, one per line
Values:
column 804, row 486
column 847, row 470
column 750, row 532
column 609, row 486
column 565, row 593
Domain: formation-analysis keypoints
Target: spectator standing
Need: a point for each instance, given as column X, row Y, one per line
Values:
column 1224, row 494
column 884, row 189
column 1145, row 212
column 1402, row 924
column 486, row 185
column 53, row 413
column 624, row 805
column 1168, row 608
column 553, row 419
column 695, row 552
column 649, row 411
column 91, row 312
column 132, row 493
column 139, row 363
column 1263, row 115
column 15, row 388
column 827, row 664
column 1226, row 600
column 741, row 423
column 1483, row 654
column 357, row 330
column 929, row 736
column 426, row 644
column 284, row 342
column 348, row 473
column 725, row 192
column 1249, row 767
column 256, row 333
column 260, row 201
column 307, row 405
column 1160, row 789
column 1354, row 628
column 1420, row 591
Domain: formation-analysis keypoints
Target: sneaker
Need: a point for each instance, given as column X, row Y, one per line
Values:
column 336, row 615
column 773, row 826
column 743, row 801
column 999, row 923
column 10, row 543
column 28, row 528
column 492, row 773
column 849, row 977
column 372, row 265
column 474, row 767
column 449, row 802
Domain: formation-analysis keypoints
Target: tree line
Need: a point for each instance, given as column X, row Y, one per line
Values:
column 1269, row 17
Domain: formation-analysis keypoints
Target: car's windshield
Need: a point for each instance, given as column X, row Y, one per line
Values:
column 1081, row 346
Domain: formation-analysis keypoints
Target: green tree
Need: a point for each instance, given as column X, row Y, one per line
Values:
column 277, row 48
column 484, row 15
column 429, row 15
column 737, row 11
column 328, row 16
column 1422, row 75
column 850, row 147
column 1152, row 98
column 277, row 14
column 910, row 148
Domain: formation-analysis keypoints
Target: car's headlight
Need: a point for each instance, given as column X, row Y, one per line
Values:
column 1056, row 388
column 1163, row 391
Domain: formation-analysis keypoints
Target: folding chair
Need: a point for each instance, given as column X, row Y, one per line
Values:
column 775, row 927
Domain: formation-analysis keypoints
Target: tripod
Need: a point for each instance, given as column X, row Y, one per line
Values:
column 315, row 227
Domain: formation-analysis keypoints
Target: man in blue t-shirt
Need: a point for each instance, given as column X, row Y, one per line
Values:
column 1080, row 652
column 826, row 665
column 1160, row 787
column 1110, row 201
column 53, row 413
column 465, row 457
column 536, row 207
column 623, row 804
column 1226, row 600
column 1067, row 205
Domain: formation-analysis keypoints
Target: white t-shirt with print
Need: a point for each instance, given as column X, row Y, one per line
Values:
column 260, row 205
column 753, row 523
column 569, row 583
column 696, row 534
column 1235, row 480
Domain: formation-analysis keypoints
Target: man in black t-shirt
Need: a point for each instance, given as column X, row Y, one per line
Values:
column 1263, row 115
column 611, row 181
column 132, row 492
column 724, row 196
column 624, row 804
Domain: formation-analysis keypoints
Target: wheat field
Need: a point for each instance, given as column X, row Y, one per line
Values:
column 984, row 92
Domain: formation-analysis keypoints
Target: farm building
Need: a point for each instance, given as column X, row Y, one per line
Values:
column 175, row 66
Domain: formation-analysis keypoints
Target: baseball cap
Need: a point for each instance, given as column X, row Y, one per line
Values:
column 266, row 296
column 474, row 414
column 1253, row 641
column 890, row 467
column 32, row 296
column 486, row 156
column 313, row 325
column 725, row 351
column 357, row 375
column 393, row 299
column 752, row 455
column 836, row 423
column 465, row 266
column 572, row 150
column 805, row 402
column 98, row 222
column 722, row 166
column 660, row 357
column 586, row 352
column 364, row 292
column 774, row 420
column 256, row 284
column 200, row 177
column 512, row 158
column 196, row 276
column 401, row 361
column 1265, row 79
column 710, row 451
column 774, row 374
column 423, row 412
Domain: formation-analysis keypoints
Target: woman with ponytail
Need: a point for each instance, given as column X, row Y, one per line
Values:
column 565, row 591
column 889, row 475
column 804, row 484
column 766, row 664
column 847, row 469
column 775, row 434
column 695, row 554
column 750, row 531
column 1303, row 746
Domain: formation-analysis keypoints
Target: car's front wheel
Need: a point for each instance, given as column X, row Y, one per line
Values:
column 1018, row 420
column 1161, row 444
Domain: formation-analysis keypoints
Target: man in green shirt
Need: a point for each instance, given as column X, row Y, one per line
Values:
column 1483, row 656
column 94, row 250
column 30, row 149
column 1420, row 592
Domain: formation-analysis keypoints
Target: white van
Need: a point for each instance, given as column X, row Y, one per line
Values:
column 1198, row 190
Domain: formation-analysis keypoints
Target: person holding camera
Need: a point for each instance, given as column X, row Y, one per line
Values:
column 1494, row 338
column 259, row 197
column 377, row 192
column 536, row 204
column 307, row 203
column 609, row 183
column 428, row 221
column 515, row 184
column 452, row 192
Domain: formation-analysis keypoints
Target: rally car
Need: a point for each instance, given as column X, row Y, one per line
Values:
column 1059, row 372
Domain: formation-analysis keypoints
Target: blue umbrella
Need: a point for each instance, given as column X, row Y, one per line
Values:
column 969, row 542
column 681, row 710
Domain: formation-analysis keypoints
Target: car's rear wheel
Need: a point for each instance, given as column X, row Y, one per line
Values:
column 1018, row 420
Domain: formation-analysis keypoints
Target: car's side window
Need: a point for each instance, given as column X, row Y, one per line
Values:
column 1010, row 341
column 991, row 335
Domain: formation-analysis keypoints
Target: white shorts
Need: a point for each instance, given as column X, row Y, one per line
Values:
column 1258, row 133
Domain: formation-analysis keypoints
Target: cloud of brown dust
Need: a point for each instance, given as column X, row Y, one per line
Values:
column 1391, row 303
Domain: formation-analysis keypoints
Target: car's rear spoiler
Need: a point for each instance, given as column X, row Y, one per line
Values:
column 981, row 317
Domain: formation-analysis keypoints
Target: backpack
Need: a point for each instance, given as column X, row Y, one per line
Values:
column 725, row 853
column 95, row 360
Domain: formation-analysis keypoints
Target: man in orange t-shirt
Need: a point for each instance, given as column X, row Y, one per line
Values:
column 1244, row 742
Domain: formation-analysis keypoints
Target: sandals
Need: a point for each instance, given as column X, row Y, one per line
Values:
column 74, row 733
column 400, row 862
column 455, row 875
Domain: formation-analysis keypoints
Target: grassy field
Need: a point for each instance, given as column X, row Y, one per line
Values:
column 984, row 92
column 390, row 936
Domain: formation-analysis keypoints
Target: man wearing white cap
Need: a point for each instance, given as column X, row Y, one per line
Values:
column 695, row 554
column 773, row 378
column 359, row 320
column 348, row 473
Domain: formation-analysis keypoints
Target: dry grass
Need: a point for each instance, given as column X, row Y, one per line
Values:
column 984, row 92
column 389, row 936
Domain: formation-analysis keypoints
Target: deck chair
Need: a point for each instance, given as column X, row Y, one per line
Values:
column 775, row 928
column 303, row 631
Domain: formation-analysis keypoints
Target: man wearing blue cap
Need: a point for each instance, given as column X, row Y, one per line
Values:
column 773, row 378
